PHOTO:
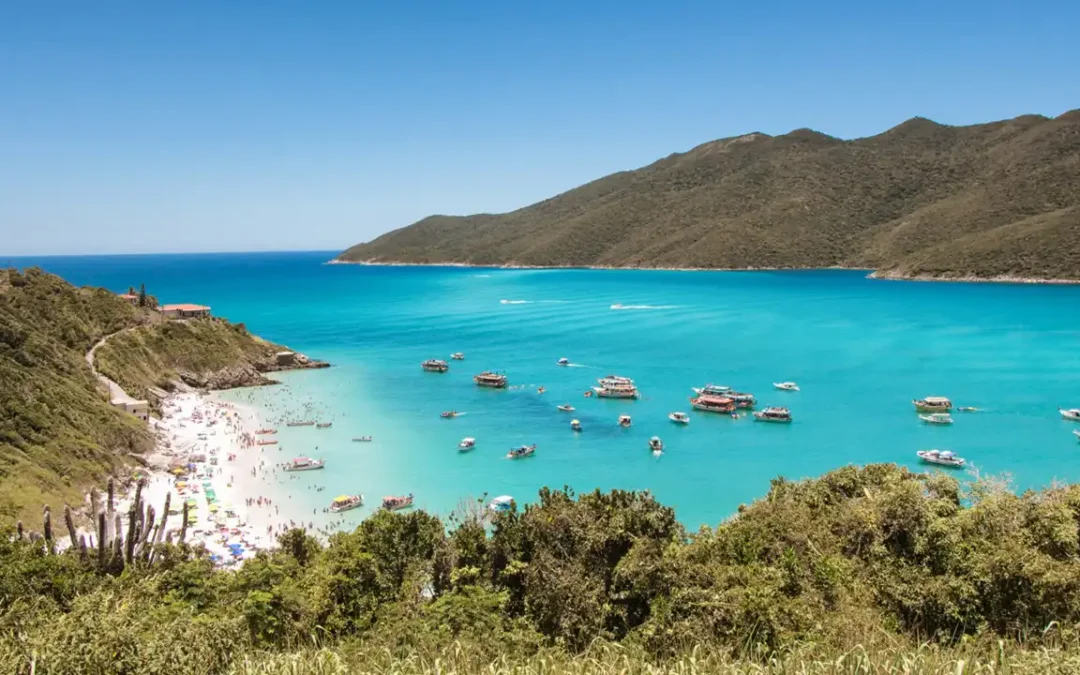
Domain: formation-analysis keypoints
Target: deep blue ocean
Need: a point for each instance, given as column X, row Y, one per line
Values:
column 860, row 349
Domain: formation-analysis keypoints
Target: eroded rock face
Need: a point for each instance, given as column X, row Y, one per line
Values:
column 249, row 374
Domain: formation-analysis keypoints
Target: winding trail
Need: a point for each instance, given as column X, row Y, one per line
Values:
column 116, row 392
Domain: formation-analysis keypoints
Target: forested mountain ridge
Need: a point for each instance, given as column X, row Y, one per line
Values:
column 1000, row 199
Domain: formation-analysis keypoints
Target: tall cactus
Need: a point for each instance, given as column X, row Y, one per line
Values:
column 69, row 522
column 46, row 521
column 102, row 544
column 110, row 506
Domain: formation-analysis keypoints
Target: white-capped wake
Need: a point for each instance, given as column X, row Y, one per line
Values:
column 620, row 306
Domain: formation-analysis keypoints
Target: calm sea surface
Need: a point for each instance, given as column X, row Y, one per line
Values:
column 860, row 350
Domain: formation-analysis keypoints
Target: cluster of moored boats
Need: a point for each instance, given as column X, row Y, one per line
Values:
column 349, row 502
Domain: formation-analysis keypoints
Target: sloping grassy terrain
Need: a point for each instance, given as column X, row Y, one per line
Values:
column 57, row 431
column 921, row 198
column 865, row 570
column 200, row 352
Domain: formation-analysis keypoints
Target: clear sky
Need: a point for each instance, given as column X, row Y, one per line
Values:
column 130, row 127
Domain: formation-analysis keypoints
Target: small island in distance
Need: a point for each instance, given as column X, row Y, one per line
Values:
column 996, row 201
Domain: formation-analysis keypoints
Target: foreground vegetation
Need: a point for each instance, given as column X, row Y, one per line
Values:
column 920, row 199
column 866, row 570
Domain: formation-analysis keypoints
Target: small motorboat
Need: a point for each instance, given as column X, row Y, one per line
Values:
column 397, row 502
column 324, row 425
column 937, row 418
column 521, row 452
column 503, row 503
column 346, row 502
column 540, row 390
column 625, row 421
column 617, row 305
column 563, row 362
column 588, row 394
column 941, row 457
column 1070, row 414
column 1077, row 434
column 656, row 445
column 266, row 431
column 773, row 414
column 449, row 414
column 467, row 444
column 457, row 356
column 933, row 404
column 679, row 418
column 575, row 425
column 968, row 408
column 786, row 386
column 565, row 407
column 362, row 439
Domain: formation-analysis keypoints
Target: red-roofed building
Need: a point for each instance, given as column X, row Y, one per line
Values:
column 185, row 311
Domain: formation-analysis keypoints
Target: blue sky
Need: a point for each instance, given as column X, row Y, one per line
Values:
column 131, row 127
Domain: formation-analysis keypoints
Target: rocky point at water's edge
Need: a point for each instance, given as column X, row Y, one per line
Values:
column 249, row 374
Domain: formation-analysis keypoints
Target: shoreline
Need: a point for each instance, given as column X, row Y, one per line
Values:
column 871, row 272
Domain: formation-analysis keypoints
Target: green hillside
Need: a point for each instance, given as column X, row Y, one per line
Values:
column 863, row 571
column 922, row 198
column 58, row 432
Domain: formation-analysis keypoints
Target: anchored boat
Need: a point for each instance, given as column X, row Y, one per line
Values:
column 773, row 414
column 679, row 418
column 521, row 452
column 708, row 403
column 937, row 418
column 466, row 444
column 575, row 425
column 457, row 356
column 933, row 404
column 625, row 421
column 786, row 386
column 490, row 379
column 397, row 502
column 305, row 464
column 565, row 407
column 941, row 457
column 656, row 445
column 435, row 366
column 346, row 502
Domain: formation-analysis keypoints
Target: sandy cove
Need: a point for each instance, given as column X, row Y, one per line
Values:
column 211, row 454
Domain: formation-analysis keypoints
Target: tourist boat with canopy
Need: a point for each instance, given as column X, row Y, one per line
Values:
column 617, row 392
column 575, row 425
column 324, row 425
column 1070, row 414
column 490, row 379
column 397, row 502
column 679, row 418
column 933, row 404
column 625, row 420
column 786, row 386
column 305, row 464
column 937, row 418
column 742, row 400
column 656, row 445
column 521, row 452
column 708, row 403
column 435, row 366
column 346, row 502
column 466, row 444
column 773, row 414
column 565, row 407
column 941, row 458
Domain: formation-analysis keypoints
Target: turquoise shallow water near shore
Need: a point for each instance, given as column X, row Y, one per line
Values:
column 860, row 349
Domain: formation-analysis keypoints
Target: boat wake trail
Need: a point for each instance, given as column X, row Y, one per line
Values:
column 618, row 306
column 515, row 302
column 531, row 302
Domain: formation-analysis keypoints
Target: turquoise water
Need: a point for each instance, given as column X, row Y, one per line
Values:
column 860, row 349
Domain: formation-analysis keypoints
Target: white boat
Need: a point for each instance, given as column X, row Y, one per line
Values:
column 435, row 366
column 305, row 464
column 616, row 392
column 467, row 444
column 617, row 305
column 490, row 379
column 1070, row 414
column 656, row 445
column 362, row 439
column 563, row 361
column 615, row 381
column 1077, row 434
column 937, row 418
column 457, row 356
column 679, row 418
column 773, row 414
column 502, row 503
column 625, row 421
column 786, row 386
column 565, row 407
column 575, row 425
column 346, row 502
column 521, row 452
column 941, row 457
